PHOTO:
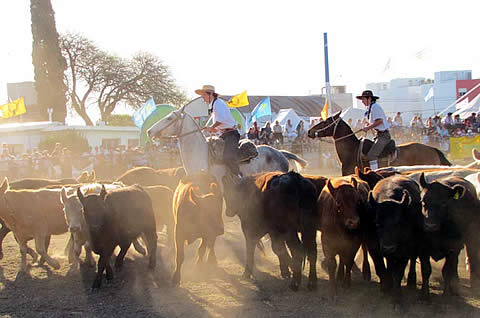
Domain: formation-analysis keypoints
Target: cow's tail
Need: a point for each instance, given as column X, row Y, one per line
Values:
column 443, row 160
column 294, row 160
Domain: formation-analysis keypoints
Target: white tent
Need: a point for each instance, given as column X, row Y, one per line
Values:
column 353, row 113
column 471, row 107
column 286, row 114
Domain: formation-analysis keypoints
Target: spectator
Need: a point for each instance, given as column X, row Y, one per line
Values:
column 350, row 122
column 397, row 120
column 251, row 135
column 289, row 131
column 300, row 130
column 448, row 121
column 266, row 134
column 358, row 125
column 278, row 132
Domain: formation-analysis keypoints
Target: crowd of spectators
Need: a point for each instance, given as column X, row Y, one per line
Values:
column 278, row 135
column 108, row 162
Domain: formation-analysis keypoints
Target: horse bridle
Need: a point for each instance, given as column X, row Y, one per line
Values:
column 336, row 122
column 179, row 116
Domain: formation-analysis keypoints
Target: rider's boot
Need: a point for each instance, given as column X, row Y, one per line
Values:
column 373, row 164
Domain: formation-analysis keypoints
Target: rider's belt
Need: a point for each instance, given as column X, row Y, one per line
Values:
column 382, row 131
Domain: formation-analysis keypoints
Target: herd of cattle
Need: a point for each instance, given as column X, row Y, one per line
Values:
column 396, row 215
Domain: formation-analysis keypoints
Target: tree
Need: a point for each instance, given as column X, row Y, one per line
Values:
column 120, row 120
column 106, row 80
column 49, row 64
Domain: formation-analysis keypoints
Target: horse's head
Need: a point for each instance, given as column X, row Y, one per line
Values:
column 325, row 128
column 169, row 125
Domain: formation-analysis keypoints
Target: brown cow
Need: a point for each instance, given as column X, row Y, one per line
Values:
column 281, row 205
column 116, row 219
column 32, row 184
column 197, row 208
column 339, row 206
column 32, row 214
column 162, row 198
column 147, row 176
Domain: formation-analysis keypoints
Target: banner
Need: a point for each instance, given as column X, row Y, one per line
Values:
column 14, row 108
column 429, row 95
column 461, row 147
column 143, row 112
column 239, row 100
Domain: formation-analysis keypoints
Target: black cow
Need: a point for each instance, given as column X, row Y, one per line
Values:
column 281, row 205
column 395, row 208
column 452, row 220
column 116, row 219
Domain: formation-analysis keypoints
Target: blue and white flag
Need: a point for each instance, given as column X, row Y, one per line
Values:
column 262, row 109
column 143, row 112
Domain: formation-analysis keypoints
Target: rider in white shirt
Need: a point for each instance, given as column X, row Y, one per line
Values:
column 222, row 121
column 378, row 121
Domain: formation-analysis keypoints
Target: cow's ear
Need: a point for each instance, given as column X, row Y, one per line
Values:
column 371, row 200
column 354, row 182
column 366, row 169
column 476, row 154
column 406, row 200
column 214, row 187
column 357, row 171
column 330, row 187
column 458, row 191
column 4, row 186
column 80, row 195
column 423, row 182
column 93, row 176
column 63, row 196
column 103, row 192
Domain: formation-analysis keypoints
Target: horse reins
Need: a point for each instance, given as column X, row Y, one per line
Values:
column 179, row 116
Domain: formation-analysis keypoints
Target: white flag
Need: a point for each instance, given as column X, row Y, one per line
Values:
column 429, row 95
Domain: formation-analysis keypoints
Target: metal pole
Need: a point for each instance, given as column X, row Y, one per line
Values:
column 327, row 71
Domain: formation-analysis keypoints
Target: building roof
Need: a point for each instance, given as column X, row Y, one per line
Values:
column 306, row 106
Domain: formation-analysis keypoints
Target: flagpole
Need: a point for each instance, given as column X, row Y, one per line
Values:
column 327, row 71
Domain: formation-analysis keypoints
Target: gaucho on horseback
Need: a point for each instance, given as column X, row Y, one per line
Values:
column 222, row 121
column 376, row 120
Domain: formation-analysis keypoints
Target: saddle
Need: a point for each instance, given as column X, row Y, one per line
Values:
column 246, row 150
column 388, row 154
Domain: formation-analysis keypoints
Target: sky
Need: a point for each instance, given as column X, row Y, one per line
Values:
column 262, row 46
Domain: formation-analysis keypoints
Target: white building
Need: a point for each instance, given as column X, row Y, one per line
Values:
column 24, row 136
column 407, row 95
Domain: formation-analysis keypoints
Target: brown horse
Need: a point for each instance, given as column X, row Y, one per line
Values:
column 347, row 147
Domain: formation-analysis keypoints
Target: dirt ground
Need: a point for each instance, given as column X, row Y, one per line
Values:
column 213, row 292
column 206, row 292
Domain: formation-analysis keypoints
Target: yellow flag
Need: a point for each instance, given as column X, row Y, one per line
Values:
column 324, row 112
column 239, row 100
column 20, row 106
column 15, row 108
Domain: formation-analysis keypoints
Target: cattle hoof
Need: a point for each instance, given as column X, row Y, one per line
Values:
column 294, row 286
column 41, row 261
column 286, row 274
column 55, row 264
column 247, row 274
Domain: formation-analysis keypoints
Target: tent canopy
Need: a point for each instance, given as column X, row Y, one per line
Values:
column 471, row 107
column 285, row 114
column 161, row 111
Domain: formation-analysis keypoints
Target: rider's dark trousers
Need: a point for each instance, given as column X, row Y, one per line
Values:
column 230, row 151
column 381, row 140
